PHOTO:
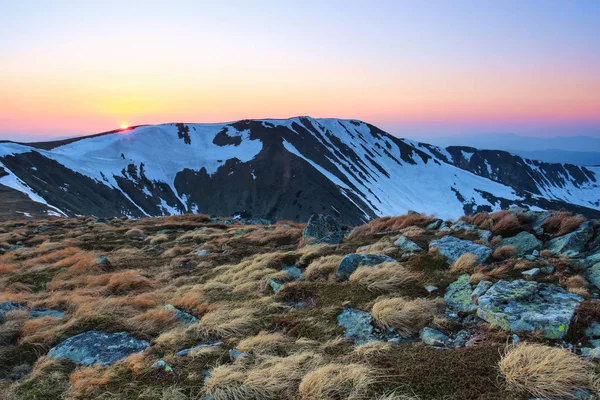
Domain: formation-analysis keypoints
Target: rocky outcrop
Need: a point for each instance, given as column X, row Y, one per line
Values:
column 527, row 306
column 453, row 248
column 323, row 229
column 572, row 243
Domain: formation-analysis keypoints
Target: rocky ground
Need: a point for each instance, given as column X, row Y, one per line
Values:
column 493, row 306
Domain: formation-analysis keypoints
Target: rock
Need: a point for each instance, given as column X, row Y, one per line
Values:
column 458, row 295
column 182, row 316
column 514, row 338
column 407, row 245
column 593, row 258
column 165, row 231
column 351, row 262
column 434, row 225
column 357, row 325
column 547, row 270
column 8, row 306
column 293, row 271
column 481, row 288
column 15, row 247
column 591, row 353
column 595, row 342
column 527, row 305
column 531, row 272
column 101, row 220
column 162, row 365
column 593, row 274
column 234, row 354
column 431, row 288
column 453, row 248
column 537, row 219
column 95, row 347
column 461, row 338
column 593, row 330
column 484, row 235
column 37, row 312
column 185, row 352
column 572, row 243
column 433, row 337
column 523, row 242
column 202, row 253
column 462, row 225
column 324, row 228
column 276, row 286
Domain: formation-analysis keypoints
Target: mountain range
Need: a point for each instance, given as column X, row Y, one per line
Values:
column 279, row 170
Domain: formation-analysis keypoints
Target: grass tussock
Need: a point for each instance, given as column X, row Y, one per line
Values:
column 385, row 277
column 544, row 371
column 561, row 223
column 464, row 264
column 322, row 268
column 504, row 253
column 406, row 317
column 388, row 225
column 337, row 381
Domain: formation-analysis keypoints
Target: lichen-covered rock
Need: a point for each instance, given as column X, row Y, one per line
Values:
column 407, row 245
column 459, row 295
column 522, row 305
column 95, row 347
column 484, row 234
column 433, row 337
column 182, row 316
column 593, row 331
column 453, row 248
column 357, row 325
column 572, row 243
column 351, row 262
column 462, row 225
column 523, row 242
column 324, row 228
column 481, row 288
column 593, row 274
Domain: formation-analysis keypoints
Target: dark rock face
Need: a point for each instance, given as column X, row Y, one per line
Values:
column 351, row 262
column 95, row 347
column 324, row 228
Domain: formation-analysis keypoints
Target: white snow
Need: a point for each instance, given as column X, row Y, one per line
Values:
column 466, row 155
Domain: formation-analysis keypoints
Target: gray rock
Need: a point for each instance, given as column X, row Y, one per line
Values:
column 357, row 325
column 531, row 272
column 547, row 270
column 591, row 353
column 182, row 316
column 405, row 244
column 458, row 295
column 162, row 365
column 165, row 231
column 185, row 352
column 593, row 274
column 276, row 286
column 431, row 288
column 484, row 234
column 462, row 225
column 293, row 271
column 514, row 338
column 524, row 243
column 234, row 354
column 95, row 347
column 324, row 228
column 453, row 248
column 461, row 338
column 527, row 305
column 537, row 219
column 572, row 243
column 433, row 337
column 595, row 342
column 593, row 258
column 351, row 262
column 481, row 288
column 8, row 306
column 37, row 312
column 202, row 252
column 593, row 330
column 434, row 225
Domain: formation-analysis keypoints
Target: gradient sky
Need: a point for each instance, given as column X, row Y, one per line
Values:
column 432, row 67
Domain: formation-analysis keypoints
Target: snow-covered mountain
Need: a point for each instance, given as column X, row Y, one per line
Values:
column 279, row 169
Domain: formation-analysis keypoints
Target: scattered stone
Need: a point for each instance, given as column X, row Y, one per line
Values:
column 453, row 248
column 324, row 228
column 435, row 225
column 185, row 352
column 293, row 271
column 547, row 270
column 522, row 305
column 572, row 243
column 37, row 312
column 165, row 231
column 481, row 288
column 162, row 365
column 514, row 338
column 431, row 288
column 202, row 252
column 461, row 338
column 531, row 272
column 357, row 325
column 234, row 354
column 96, row 347
column 433, row 337
column 276, row 286
column 351, row 262
column 182, row 316
column 523, row 242
column 458, row 295
column 405, row 244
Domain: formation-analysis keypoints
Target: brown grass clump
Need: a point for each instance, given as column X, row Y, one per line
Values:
column 545, row 372
column 388, row 224
column 504, row 253
column 337, row 381
column 177, row 251
column 265, row 343
column 464, row 264
column 322, row 268
column 505, row 223
column 577, row 284
column 561, row 223
column 546, row 254
column 158, row 239
column 387, row 276
column 128, row 281
column 135, row 233
column 407, row 317
column 231, row 322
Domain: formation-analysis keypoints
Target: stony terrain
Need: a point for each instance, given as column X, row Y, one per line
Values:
column 491, row 306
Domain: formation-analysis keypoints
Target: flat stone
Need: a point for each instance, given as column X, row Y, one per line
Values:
column 523, row 242
column 434, row 225
column 351, row 262
column 459, row 295
column 531, row 272
column 234, row 354
column 453, row 248
column 406, row 244
column 96, row 347
column 431, row 288
column 522, row 305
column 547, row 270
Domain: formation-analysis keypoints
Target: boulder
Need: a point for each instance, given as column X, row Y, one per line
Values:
column 434, row 225
column 96, row 347
column 537, row 219
column 484, row 235
column 459, row 295
column 357, row 325
column 453, row 248
column 351, row 262
column 481, row 288
column 407, row 245
column 462, row 225
column 182, row 316
column 433, row 337
column 522, row 305
column 572, row 243
column 324, row 228
column 523, row 242
column 593, row 275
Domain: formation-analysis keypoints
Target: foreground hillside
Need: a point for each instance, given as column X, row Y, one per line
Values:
column 279, row 170
column 493, row 306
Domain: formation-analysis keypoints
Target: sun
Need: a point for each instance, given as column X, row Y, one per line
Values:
column 124, row 126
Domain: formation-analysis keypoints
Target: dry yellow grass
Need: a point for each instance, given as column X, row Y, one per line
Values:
column 464, row 264
column 323, row 267
column 266, row 343
column 544, row 371
column 226, row 382
column 135, row 233
column 231, row 321
column 406, row 316
column 388, row 276
column 337, row 381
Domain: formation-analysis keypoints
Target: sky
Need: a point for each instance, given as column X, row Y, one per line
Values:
column 410, row 67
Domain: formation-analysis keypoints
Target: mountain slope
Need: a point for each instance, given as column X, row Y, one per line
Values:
column 283, row 169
